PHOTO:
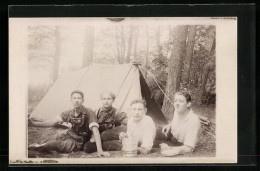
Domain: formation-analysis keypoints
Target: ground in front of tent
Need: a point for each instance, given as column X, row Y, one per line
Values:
column 206, row 146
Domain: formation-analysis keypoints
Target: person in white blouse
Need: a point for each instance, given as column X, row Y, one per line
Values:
column 140, row 126
column 184, row 127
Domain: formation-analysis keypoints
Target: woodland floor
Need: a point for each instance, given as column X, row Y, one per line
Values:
column 206, row 146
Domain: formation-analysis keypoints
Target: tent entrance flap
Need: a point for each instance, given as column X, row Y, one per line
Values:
column 153, row 108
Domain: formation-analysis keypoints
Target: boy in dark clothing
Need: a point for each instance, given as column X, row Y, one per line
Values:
column 111, row 122
column 84, row 123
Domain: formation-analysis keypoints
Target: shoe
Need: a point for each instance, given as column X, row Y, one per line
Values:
column 36, row 147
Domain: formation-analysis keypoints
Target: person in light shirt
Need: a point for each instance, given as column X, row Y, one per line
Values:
column 140, row 126
column 184, row 127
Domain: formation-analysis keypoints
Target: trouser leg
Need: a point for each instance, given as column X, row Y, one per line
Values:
column 112, row 134
column 161, row 138
column 63, row 146
column 115, row 145
column 90, row 147
column 110, row 140
column 47, row 146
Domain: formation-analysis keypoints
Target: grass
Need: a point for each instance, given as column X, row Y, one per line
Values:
column 206, row 146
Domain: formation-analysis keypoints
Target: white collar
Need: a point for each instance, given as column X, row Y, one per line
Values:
column 176, row 116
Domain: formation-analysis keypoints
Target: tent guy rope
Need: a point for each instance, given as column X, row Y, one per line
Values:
column 156, row 81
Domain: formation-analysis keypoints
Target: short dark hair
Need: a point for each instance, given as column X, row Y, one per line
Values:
column 142, row 101
column 108, row 92
column 184, row 93
column 78, row 92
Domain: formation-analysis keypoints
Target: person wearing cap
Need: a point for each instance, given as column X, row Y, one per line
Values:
column 84, row 124
column 140, row 126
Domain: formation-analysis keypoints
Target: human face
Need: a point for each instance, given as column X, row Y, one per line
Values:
column 180, row 103
column 138, row 111
column 107, row 100
column 76, row 100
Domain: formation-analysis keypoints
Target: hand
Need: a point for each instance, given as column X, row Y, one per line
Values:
column 166, row 129
column 123, row 135
column 103, row 154
column 30, row 122
column 164, row 146
column 142, row 150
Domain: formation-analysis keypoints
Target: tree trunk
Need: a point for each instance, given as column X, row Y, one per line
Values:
column 173, row 73
column 189, row 53
column 147, row 51
column 135, row 43
column 129, row 45
column 206, row 70
column 158, row 40
column 213, row 47
column 57, row 54
column 122, row 46
column 169, row 40
column 117, row 46
column 182, row 40
column 88, row 46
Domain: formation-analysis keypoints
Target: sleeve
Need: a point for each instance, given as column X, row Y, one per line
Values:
column 92, row 119
column 119, row 117
column 192, row 135
column 63, row 117
column 148, row 134
column 129, row 128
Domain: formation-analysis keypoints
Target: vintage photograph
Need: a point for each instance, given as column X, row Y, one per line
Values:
column 120, row 89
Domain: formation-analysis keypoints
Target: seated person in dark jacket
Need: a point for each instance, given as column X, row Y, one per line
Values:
column 111, row 122
column 84, row 123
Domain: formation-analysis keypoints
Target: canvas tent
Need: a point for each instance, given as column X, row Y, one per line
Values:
column 126, row 81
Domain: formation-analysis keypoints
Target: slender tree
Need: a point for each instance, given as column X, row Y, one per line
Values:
column 88, row 46
column 174, row 65
column 210, row 66
column 130, row 39
column 147, row 50
column 182, row 42
column 136, row 42
column 158, row 40
column 118, row 46
column 122, row 56
column 169, row 40
column 189, row 53
column 57, row 54
column 213, row 48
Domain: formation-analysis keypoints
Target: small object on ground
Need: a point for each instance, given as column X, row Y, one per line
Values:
column 130, row 146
